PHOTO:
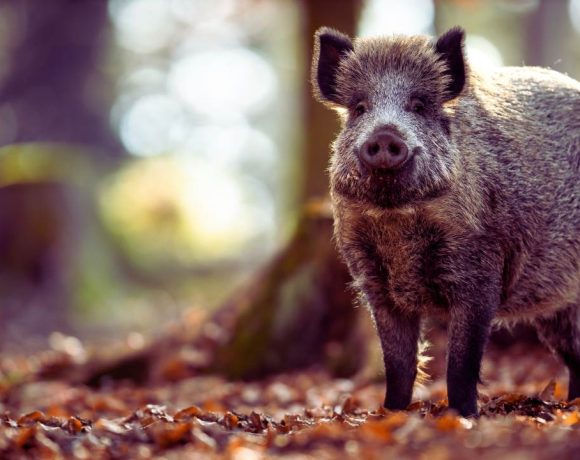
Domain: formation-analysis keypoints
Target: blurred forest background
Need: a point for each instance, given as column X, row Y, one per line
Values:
column 155, row 155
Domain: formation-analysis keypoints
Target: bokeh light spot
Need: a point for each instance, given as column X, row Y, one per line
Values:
column 383, row 17
column 143, row 26
column 153, row 124
column 574, row 10
column 223, row 80
column 481, row 53
column 176, row 207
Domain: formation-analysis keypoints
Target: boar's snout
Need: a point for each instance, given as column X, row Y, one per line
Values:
column 385, row 149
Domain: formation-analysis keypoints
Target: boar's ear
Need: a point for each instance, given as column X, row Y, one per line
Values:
column 330, row 46
column 450, row 48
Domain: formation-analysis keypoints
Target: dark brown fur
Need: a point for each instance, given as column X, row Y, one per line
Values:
column 482, row 224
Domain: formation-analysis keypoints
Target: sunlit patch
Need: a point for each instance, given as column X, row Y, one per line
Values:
column 153, row 124
column 213, row 201
column 237, row 147
column 224, row 209
column 481, row 53
column 142, row 26
column 144, row 79
column 380, row 17
column 196, row 11
column 223, row 80
column 178, row 208
column 574, row 10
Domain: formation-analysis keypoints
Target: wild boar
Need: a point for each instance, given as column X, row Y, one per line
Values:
column 456, row 192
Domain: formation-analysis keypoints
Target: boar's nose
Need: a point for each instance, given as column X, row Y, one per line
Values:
column 384, row 150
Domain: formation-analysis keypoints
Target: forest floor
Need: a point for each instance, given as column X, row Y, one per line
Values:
column 47, row 412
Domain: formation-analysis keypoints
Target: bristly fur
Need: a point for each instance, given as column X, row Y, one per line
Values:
column 481, row 224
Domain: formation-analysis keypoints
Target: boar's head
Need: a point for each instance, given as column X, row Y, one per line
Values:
column 396, row 97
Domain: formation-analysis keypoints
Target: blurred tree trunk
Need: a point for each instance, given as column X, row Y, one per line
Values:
column 52, row 89
column 298, row 311
column 549, row 37
column 38, row 231
column 321, row 124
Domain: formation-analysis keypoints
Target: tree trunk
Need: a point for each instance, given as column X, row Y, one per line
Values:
column 52, row 97
column 298, row 311
column 54, row 87
column 321, row 124
column 549, row 37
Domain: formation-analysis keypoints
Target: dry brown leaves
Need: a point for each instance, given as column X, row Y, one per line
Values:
column 305, row 415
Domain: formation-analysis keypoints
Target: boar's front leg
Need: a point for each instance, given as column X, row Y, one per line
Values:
column 468, row 332
column 399, row 335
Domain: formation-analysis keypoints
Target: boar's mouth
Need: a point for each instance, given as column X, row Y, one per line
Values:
column 387, row 189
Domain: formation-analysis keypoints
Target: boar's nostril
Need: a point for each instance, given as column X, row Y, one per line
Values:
column 384, row 150
column 394, row 148
column 373, row 148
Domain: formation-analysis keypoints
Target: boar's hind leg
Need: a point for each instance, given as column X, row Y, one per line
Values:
column 561, row 333
column 468, row 332
column 399, row 336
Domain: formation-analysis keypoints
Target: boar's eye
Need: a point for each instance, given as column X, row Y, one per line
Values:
column 359, row 109
column 417, row 106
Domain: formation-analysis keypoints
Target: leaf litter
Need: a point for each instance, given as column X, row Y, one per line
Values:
column 299, row 415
